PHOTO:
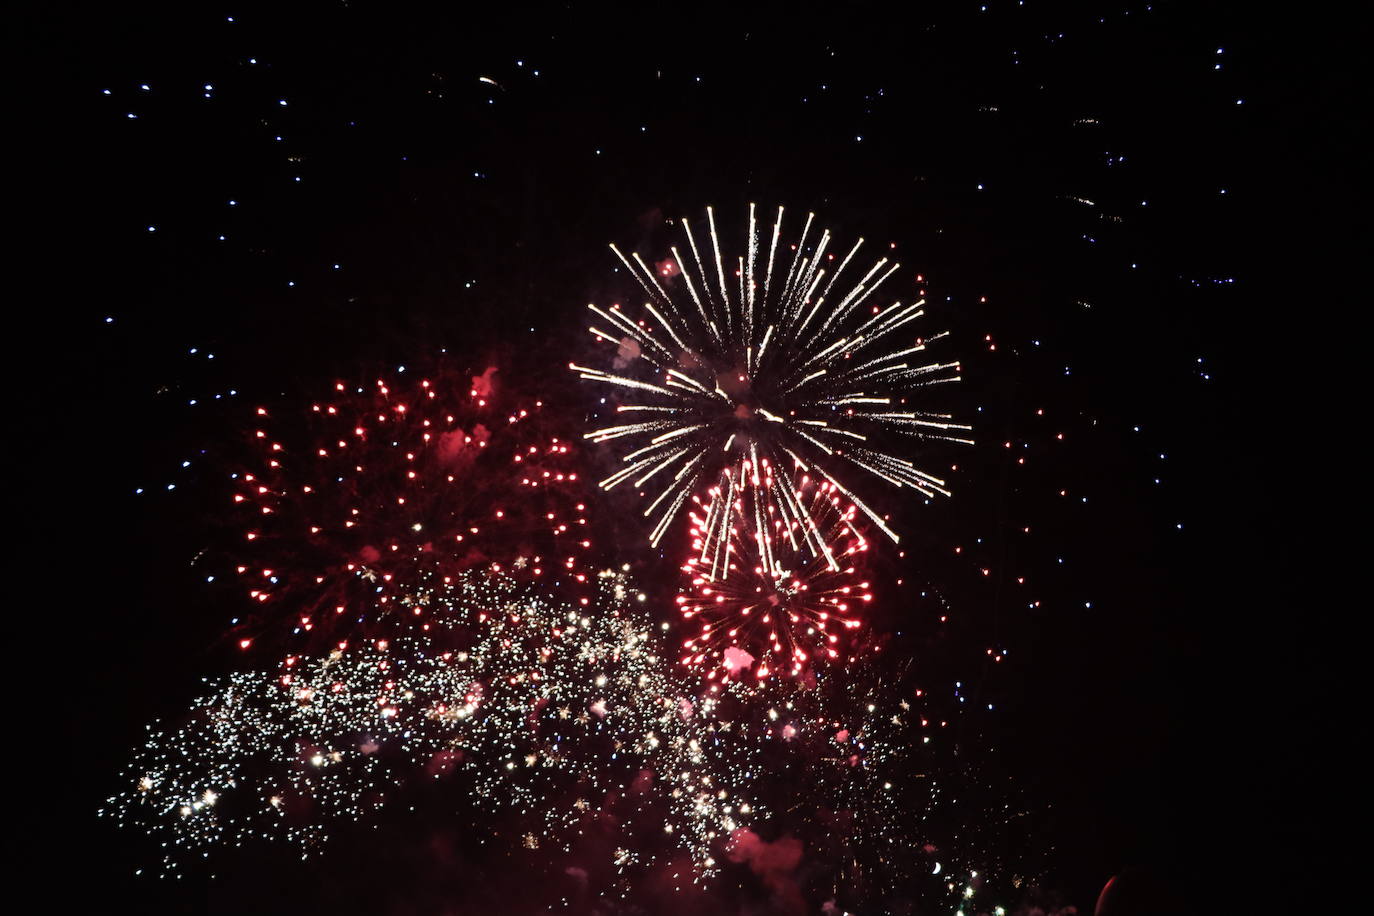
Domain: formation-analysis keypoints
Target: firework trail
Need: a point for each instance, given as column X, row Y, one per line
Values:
column 774, row 357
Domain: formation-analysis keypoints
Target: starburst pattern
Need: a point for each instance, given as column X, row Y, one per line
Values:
column 771, row 356
column 776, row 590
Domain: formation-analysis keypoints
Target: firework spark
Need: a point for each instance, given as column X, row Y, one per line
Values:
column 883, row 783
column 796, row 365
column 774, row 589
column 341, row 510
column 548, row 709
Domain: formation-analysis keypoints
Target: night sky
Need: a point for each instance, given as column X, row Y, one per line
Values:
column 253, row 203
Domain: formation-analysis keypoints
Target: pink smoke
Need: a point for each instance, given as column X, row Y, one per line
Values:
column 775, row 863
column 485, row 384
column 458, row 447
column 736, row 659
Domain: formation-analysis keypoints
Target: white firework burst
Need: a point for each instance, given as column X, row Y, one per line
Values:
column 793, row 366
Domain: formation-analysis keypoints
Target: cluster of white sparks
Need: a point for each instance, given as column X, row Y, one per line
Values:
column 555, row 712
column 772, row 357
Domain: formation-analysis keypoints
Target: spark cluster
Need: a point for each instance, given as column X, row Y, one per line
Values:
column 772, row 355
column 341, row 510
column 554, row 714
column 778, row 591
column 883, row 781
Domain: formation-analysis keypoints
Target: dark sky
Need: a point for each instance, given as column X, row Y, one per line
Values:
column 1095, row 189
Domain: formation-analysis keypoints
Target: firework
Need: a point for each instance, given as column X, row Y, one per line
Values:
column 771, row 357
column 343, row 509
column 553, row 713
column 883, row 783
column 773, row 589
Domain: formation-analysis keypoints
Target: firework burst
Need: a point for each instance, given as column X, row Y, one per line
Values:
column 775, row 590
column 343, row 511
column 556, row 715
column 772, row 356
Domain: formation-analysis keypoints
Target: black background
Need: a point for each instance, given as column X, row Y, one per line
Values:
column 1169, row 726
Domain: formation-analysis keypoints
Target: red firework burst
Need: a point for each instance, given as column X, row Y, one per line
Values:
column 355, row 509
column 771, row 593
